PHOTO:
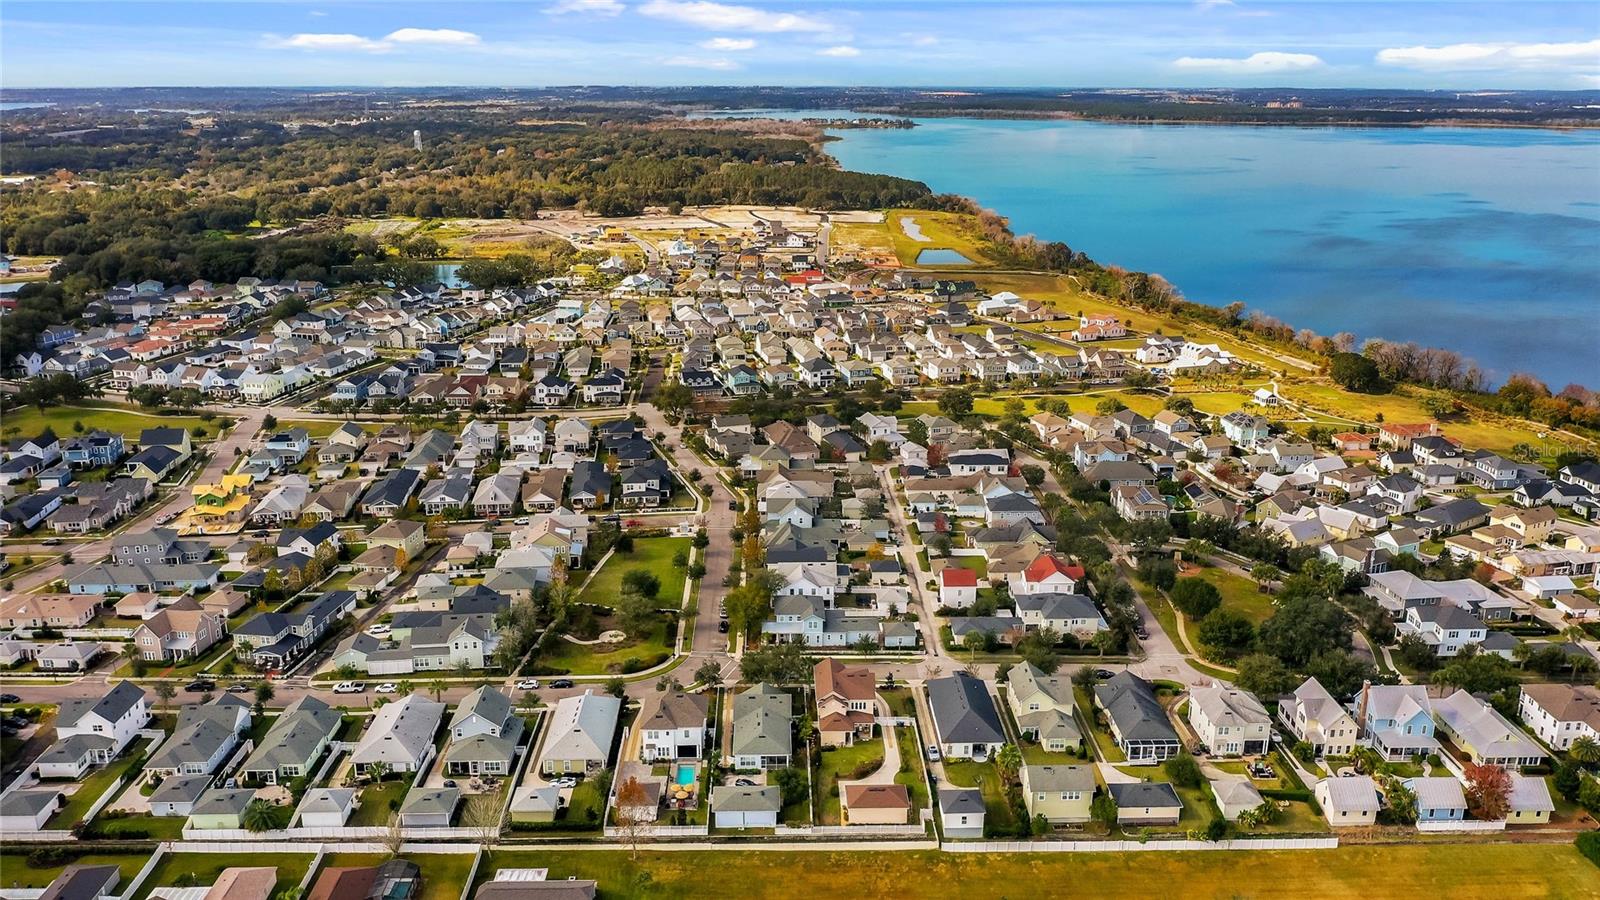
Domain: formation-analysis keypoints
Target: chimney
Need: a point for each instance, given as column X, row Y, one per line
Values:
column 1361, row 709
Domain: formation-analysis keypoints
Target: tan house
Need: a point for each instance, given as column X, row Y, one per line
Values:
column 184, row 630
column 401, row 534
column 1061, row 794
column 49, row 610
column 847, row 702
column 876, row 804
column 1312, row 715
column 226, row 602
column 1532, row 525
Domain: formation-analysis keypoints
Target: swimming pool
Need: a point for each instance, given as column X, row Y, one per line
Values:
column 684, row 776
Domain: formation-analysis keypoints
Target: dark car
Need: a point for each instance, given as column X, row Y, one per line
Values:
column 1103, row 674
column 561, row 683
column 238, row 687
column 10, row 698
column 733, row 505
column 200, row 687
column 722, row 627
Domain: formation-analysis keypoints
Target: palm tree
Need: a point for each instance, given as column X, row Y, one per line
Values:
column 263, row 695
column 1264, row 574
column 437, row 688
column 258, row 816
column 1585, row 751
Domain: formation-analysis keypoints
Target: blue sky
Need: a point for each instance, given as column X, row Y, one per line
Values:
column 1419, row 44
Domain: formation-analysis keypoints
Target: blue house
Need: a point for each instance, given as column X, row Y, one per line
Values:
column 95, row 449
column 1439, row 799
column 1398, row 719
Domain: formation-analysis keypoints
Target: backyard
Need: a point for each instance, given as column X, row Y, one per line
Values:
column 378, row 803
column 1458, row 871
column 986, row 777
column 442, row 874
column 200, row 869
column 97, row 782
column 844, row 764
column 653, row 555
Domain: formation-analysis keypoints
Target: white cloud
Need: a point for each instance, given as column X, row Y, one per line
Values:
column 1208, row 5
column 316, row 13
column 728, row 44
column 1499, row 55
column 843, row 51
column 1265, row 62
column 447, row 36
column 725, row 17
column 332, row 42
column 923, row 40
column 586, row 7
column 701, row 62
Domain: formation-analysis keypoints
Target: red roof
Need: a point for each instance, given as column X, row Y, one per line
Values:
column 1047, row 565
column 956, row 576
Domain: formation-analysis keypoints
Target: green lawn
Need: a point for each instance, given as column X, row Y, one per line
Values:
column 1457, row 871
column 1109, row 751
column 143, row 827
column 799, row 813
column 1239, row 594
column 844, row 763
column 901, row 701
column 94, row 784
column 986, row 777
column 116, row 419
column 952, row 231
column 654, row 555
column 197, row 869
column 375, row 810
column 911, row 769
column 16, row 871
column 600, row 659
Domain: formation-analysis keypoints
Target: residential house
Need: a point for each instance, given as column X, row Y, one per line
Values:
column 966, row 723
column 582, row 730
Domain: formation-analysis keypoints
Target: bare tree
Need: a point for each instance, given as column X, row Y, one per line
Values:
column 486, row 817
column 395, row 836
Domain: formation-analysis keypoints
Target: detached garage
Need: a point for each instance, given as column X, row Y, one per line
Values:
column 177, row 795
column 746, row 807
column 24, row 811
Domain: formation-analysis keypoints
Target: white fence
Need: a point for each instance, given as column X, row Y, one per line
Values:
column 838, row 831
column 329, row 833
column 1155, row 844
column 1462, row 825
column 662, row 831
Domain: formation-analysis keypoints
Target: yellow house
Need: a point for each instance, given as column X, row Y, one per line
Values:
column 876, row 804
column 1061, row 794
column 1533, row 525
column 219, row 507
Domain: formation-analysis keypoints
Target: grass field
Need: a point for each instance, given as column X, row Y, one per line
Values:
column 654, row 555
column 118, row 420
column 16, row 871
column 943, row 230
column 375, row 809
column 1405, row 405
column 984, row 776
column 443, row 874
column 1239, row 594
column 1457, row 871
column 196, row 869
column 600, row 659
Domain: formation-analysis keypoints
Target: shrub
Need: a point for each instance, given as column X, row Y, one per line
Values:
column 1589, row 846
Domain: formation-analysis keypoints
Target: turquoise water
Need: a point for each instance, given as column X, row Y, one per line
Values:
column 941, row 257
column 685, row 776
column 1485, row 241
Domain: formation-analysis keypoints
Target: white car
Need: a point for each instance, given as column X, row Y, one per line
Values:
column 378, row 629
column 522, row 521
column 349, row 687
column 388, row 687
column 933, row 753
column 528, row 684
column 565, row 782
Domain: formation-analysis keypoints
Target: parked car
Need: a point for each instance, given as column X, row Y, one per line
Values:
column 565, row 781
column 449, row 782
column 561, row 683
column 1103, row 674
column 528, row 684
column 933, row 753
column 238, row 687
column 522, row 521
column 51, row 542
column 388, row 687
column 743, row 782
column 722, row 627
column 10, row 698
column 349, row 687
column 378, row 629
column 200, row 687
column 733, row 505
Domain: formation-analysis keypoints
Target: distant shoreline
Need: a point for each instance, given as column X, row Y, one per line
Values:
column 1072, row 116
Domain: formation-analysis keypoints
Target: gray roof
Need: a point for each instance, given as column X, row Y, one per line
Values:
column 486, row 703
column 963, row 713
column 676, row 710
column 581, row 727
column 958, row 801
column 1059, row 606
column 295, row 735
column 223, row 802
column 730, row 798
column 1441, row 792
column 1060, row 778
column 110, row 706
column 401, row 731
column 181, row 789
column 434, row 801
column 761, row 722
column 1229, row 706
column 1131, row 703
column 28, row 803
column 1145, row 794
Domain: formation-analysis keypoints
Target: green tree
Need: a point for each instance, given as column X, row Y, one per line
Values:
column 956, row 403
column 1226, row 633
column 1195, row 597
column 1264, row 675
column 1356, row 373
column 1184, row 771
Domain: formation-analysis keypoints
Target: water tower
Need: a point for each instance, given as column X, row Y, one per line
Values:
column 416, row 139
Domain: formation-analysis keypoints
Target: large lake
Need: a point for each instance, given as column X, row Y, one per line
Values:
column 1486, row 241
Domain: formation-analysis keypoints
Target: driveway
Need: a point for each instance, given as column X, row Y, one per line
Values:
column 891, row 760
